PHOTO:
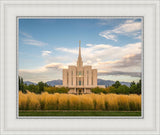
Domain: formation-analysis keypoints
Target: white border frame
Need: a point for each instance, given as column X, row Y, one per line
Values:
column 10, row 128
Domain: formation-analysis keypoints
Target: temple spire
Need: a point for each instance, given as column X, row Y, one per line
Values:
column 79, row 48
column 79, row 61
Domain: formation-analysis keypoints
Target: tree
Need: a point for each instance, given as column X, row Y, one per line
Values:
column 33, row 88
column 21, row 85
column 46, row 85
column 112, row 89
column 19, row 78
column 41, row 87
column 132, row 84
column 98, row 90
column 116, row 84
column 123, row 89
column 139, row 87
column 52, row 90
column 133, row 89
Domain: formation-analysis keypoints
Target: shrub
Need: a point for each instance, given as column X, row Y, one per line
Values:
column 110, row 102
column 63, row 102
column 23, row 100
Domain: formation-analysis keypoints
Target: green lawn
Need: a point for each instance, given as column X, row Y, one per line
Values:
column 78, row 113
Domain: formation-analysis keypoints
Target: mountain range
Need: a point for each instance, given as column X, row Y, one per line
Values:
column 28, row 83
column 99, row 81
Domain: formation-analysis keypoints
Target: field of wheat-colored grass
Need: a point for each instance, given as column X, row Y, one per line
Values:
column 109, row 102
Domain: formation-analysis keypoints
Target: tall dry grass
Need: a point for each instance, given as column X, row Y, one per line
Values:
column 110, row 102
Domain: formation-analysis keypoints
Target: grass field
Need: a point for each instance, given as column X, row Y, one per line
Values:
column 79, row 113
column 96, row 102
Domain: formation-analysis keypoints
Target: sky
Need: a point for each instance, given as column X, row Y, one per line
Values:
column 111, row 45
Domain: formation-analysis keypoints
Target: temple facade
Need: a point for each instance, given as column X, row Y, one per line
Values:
column 79, row 78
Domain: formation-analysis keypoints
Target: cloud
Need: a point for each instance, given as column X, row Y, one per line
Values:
column 44, row 68
column 46, row 53
column 28, row 40
column 109, row 58
column 33, row 42
column 26, row 35
column 108, row 35
column 54, row 66
column 46, row 73
column 89, row 45
column 104, row 52
column 74, row 51
column 129, row 60
column 117, row 73
column 128, row 28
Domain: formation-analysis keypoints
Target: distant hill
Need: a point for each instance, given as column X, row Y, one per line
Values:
column 54, row 82
column 105, row 82
column 126, row 83
column 110, row 82
column 28, row 83
column 99, row 81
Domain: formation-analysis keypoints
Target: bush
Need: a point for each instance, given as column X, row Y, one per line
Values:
column 53, row 90
column 110, row 102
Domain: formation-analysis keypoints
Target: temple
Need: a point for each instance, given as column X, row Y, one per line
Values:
column 80, row 79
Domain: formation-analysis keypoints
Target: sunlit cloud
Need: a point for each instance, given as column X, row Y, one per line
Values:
column 46, row 53
column 47, row 73
column 74, row 51
column 107, row 59
column 103, row 52
column 128, row 28
column 89, row 45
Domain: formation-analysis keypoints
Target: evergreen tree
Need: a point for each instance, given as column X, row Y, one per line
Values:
column 19, row 78
column 22, row 87
column 21, row 84
column 139, row 87
column 132, row 83
column 41, row 87
column 133, row 88
column 46, row 85
column 122, row 89
column 116, row 84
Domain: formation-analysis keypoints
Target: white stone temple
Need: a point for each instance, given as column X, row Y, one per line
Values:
column 80, row 79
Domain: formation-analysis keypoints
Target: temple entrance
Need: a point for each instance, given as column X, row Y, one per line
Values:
column 80, row 91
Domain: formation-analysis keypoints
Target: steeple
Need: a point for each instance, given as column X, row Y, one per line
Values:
column 79, row 61
column 79, row 49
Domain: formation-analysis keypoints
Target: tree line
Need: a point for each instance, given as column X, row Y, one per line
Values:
column 118, row 88
column 40, row 87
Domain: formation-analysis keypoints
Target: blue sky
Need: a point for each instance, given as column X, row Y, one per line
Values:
column 113, row 46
